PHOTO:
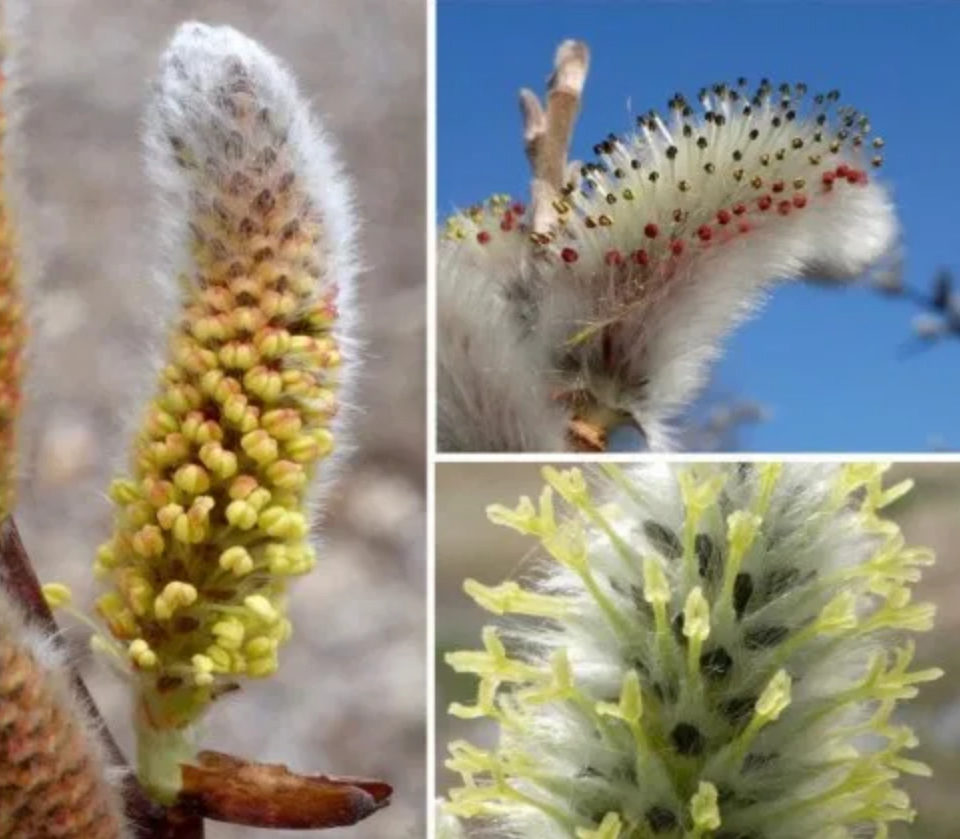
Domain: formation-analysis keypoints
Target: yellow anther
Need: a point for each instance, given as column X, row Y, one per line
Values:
column 285, row 474
column 324, row 438
column 202, row 669
column 259, row 498
column 283, row 524
column 261, row 608
column 230, row 633
column 220, row 657
column 240, row 514
column 261, row 667
column 264, row 383
column 242, row 486
column 106, row 556
column 218, row 460
column 235, row 408
column 238, row 356
column 260, row 446
column 137, row 590
column 192, row 478
column 168, row 514
column 237, row 560
column 273, row 343
column 278, row 560
column 175, row 595
column 260, row 647
column 246, row 319
column 124, row 492
column 141, row 654
column 208, row 329
column 57, row 594
column 148, row 541
column 281, row 423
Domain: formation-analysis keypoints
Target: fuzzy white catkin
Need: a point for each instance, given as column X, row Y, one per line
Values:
column 705, row 651
column 665, row 243
column 202, row 65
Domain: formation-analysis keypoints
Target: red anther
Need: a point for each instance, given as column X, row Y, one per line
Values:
column 744, row 227
column 704, row 232
column 853, row 176
column 483, row 237
column 613, row 258
column 784, row 208
column 739, row 209
column 676, row 247
column 777, row 186
column 828, row 178
column 569, row 255
column 506, row 225
column 723, row 216
column 799, row 200
column 650, row 230
column 640, row 257
column 518, row 208
column 764, row 202
column 842, row 170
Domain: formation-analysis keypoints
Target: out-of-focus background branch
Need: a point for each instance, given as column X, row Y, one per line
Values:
column 349, row 695
column 468, row 546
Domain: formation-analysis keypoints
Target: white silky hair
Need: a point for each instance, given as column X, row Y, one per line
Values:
column 196, row 71
column 491, row 395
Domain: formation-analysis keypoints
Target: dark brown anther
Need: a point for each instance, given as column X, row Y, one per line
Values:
column 264, row 202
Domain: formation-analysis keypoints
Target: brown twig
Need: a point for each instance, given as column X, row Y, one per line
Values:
column 547, row 133
column 217, row 786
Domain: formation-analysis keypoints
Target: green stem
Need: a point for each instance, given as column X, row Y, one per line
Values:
column 159, row 755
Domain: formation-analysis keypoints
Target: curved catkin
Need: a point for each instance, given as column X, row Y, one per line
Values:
column 667, row 240
column 12, row 318
column 708, row 651
column 213, row 518
column 52, row 777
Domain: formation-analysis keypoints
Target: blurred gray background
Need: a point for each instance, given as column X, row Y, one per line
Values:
column 349, row 697
column 469, row 546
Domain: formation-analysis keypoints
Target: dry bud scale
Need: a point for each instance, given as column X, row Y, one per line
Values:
column 706, row 651
column 214, row 516
column 606, row 300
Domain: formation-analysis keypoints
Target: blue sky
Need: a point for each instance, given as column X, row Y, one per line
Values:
column 827, row 363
